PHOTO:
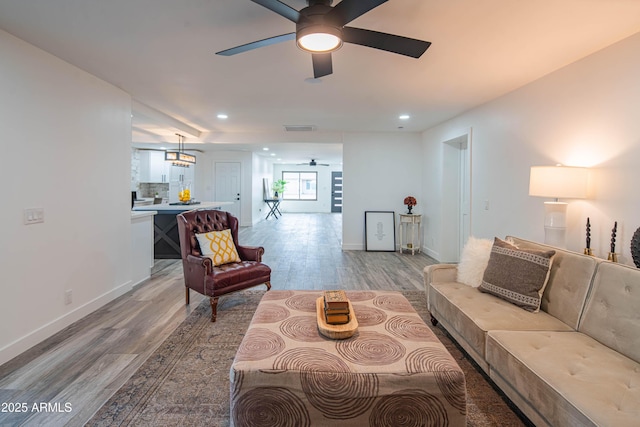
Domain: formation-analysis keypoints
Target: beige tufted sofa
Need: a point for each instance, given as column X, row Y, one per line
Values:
column 574, row 363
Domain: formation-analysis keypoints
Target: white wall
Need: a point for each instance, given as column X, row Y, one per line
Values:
column 66, row 136
column 323, row 203
column 379, row 171
column 262, row 168
column 585, row 114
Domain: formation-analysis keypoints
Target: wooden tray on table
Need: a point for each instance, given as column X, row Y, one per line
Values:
column 335, row 332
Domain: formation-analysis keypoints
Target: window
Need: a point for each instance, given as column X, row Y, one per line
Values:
column 300, row 185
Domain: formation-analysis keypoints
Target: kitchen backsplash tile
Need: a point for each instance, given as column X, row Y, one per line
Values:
column 150, row 189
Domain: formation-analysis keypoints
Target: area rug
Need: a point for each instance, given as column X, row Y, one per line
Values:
column 185, row 382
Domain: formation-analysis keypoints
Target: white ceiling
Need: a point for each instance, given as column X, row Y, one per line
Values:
column 162, row 53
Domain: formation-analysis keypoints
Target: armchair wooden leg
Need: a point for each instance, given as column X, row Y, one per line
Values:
column 186, row 295
column 268, row 285
column 214, row 308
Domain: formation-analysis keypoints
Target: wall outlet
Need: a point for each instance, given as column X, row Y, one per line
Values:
column 33, row 216
column 68, row 296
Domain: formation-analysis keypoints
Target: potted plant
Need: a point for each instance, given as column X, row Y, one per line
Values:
column 278, row 187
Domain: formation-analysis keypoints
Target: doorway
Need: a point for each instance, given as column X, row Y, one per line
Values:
column 456, row 203
column 227, row 179
column 336, row 191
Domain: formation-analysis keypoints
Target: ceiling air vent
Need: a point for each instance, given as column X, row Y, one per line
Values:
column 299, row 128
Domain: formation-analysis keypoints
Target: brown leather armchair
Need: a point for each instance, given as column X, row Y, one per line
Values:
column 199, row 272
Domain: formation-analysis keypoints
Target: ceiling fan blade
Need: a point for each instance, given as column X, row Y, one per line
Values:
column 348, row 10
column 257, row 44
column 280, row 8
column 322, row 65
column 383, row 41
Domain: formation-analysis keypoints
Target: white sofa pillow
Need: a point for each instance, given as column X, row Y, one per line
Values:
column 473, row 261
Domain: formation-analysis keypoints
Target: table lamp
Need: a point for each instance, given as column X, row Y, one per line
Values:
column 557, row 182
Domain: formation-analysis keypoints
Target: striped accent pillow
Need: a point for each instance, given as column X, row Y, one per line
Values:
column 517, row 275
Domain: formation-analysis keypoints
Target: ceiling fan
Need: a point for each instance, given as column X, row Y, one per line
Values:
column 320, row 29
column 313, row 163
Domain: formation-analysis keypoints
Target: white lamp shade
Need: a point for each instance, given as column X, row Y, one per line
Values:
column 558, row 182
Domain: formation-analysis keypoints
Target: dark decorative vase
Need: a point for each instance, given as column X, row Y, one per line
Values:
column 635, row 248
column 410, row 207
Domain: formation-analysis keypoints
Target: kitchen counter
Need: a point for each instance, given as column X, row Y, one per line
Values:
column 142, row 214
column 165, row 207
column 166, row 241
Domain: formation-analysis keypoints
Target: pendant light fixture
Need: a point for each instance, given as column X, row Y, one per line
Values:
column 180, row 158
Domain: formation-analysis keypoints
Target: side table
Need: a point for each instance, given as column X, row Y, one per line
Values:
column 273, row 205
column 410, row 232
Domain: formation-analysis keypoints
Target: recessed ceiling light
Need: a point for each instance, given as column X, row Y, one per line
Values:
column 265, row 149
column 222, row 116
column 404, row 117
column 273, row 154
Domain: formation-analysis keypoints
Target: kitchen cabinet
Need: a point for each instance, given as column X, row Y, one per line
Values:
column 153, row 167
column 183, row 175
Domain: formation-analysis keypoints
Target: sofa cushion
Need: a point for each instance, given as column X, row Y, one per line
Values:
column 471, row 314
column 569, row 282
column 517, row 275
column 473, row 261
column 567, row 378
column 612, row 312
column 219, row 246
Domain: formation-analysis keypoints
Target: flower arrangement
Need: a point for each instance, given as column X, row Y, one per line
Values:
column 410, row 201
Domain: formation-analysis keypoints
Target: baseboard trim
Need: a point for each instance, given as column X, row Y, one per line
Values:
column 433, row 254
column 24, row 343
column 139, row 282
column 352, row 247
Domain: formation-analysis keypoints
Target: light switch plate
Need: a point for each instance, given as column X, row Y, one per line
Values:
column 33, row 216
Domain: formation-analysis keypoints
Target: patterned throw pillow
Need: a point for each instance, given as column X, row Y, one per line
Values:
column 517, row 275
column 219, row 246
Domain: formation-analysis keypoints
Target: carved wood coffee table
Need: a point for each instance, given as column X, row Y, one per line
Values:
column 393, row 372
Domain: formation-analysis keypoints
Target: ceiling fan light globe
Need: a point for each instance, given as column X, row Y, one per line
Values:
column 319, row 39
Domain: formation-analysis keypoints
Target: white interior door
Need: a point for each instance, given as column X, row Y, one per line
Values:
column 456, row 206
column 227, row 179
column 465, row 196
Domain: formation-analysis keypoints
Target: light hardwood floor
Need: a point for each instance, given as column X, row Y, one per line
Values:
column 86, row 363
